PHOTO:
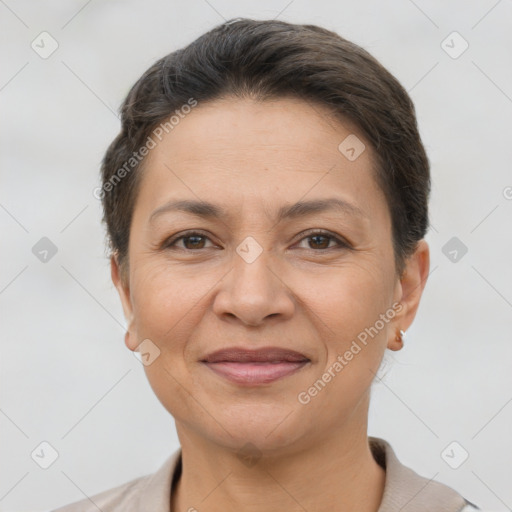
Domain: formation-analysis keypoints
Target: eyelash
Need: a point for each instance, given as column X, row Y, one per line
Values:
column 341, row 243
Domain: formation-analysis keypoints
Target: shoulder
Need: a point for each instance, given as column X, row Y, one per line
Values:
column 121, row 497
column 150, row 491
column 406, row 490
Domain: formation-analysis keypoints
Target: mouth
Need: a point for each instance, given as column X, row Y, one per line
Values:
column 255, row 367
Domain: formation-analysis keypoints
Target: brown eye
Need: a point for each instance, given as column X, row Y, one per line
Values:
column 191, row 241
column 320, row 240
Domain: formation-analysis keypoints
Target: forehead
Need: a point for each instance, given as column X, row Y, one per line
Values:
column 288, row 126
column 245, row 150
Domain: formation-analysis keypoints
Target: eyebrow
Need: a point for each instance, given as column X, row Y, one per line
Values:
column 300, row 209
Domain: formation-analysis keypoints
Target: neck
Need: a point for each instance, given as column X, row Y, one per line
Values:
column 338, row 473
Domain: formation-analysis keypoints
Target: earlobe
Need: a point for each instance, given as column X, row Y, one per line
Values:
column 128, row 340
column 412, row 284
column 398, row 342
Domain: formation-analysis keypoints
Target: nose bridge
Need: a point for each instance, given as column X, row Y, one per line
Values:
column 253, row 290
column 253, row 279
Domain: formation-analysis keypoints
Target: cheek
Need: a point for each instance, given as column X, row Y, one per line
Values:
column 162, row 302
column 350, row 300
column 348, row 306
column 169, row 302
column 342, row 300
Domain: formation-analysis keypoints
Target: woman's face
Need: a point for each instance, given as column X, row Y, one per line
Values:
column 274, row 263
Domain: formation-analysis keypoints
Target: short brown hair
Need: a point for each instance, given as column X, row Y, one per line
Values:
column 271, row 59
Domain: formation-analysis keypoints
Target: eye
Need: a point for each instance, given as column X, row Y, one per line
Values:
column 191, row 240
column 195, row 240
column 321, row 240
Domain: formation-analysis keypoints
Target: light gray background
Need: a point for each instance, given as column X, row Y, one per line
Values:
column 67, row 377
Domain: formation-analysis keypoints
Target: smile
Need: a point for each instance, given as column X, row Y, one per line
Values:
column 255, row 373
column 255, row 367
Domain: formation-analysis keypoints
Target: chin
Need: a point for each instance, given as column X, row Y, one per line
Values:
column 269, row 427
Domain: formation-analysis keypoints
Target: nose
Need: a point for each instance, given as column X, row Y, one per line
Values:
column 253, row 292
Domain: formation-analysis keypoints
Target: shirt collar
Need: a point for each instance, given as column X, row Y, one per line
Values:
column 404, row 490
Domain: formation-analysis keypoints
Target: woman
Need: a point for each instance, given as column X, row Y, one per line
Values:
column 266, row 204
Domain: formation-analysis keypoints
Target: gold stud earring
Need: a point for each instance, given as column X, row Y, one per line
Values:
column 400, row 336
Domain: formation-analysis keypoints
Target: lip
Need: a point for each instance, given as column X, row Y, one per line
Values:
column 257, row 366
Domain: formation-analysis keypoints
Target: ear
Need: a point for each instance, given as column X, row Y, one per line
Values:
column 121, row 282
column 409, row 290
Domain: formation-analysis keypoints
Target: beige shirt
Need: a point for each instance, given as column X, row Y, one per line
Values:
column 404, row 490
